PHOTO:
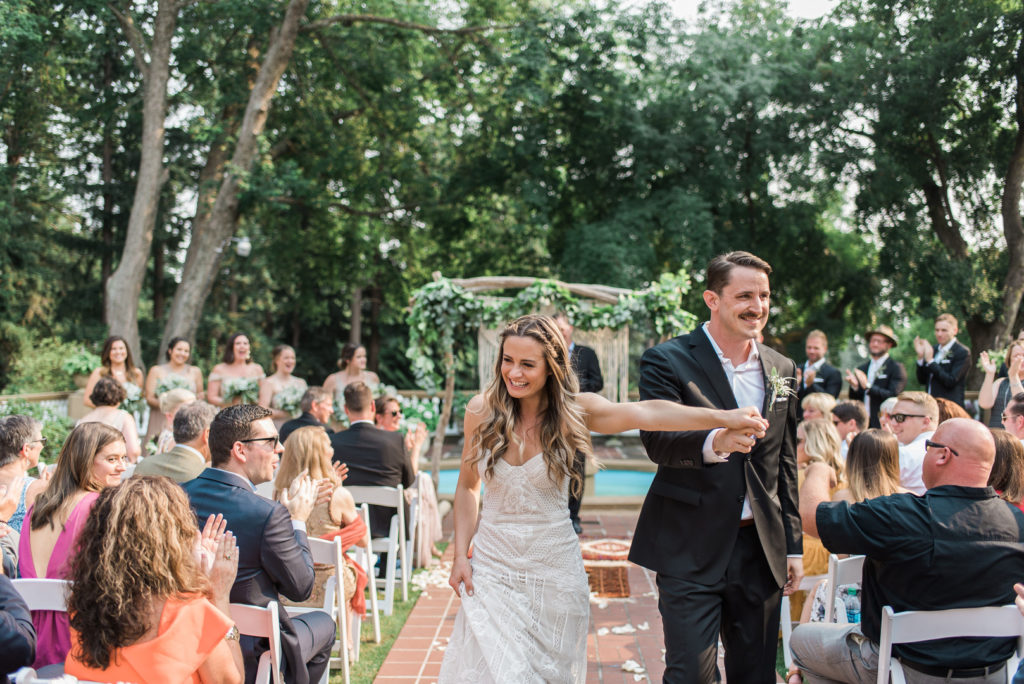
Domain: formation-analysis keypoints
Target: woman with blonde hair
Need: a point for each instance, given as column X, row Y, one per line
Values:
column 92, row 459
column 817, row 405
column 522, row 435
column 308, row 451
column 150, row 594
column 1007, row 476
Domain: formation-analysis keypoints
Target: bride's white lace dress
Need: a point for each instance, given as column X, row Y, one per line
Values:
column 527, row 619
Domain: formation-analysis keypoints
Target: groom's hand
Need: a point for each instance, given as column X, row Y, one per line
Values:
column 728, row 441
column 747, row 419
column 794, row 573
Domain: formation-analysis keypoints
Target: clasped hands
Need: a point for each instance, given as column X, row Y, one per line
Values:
column 743, row 427
column 305, row 493
column 924, row 350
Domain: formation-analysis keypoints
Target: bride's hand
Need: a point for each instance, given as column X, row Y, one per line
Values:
column 462, row 573
column 747, row 419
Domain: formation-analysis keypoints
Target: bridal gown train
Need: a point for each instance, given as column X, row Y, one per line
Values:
column 528, row 617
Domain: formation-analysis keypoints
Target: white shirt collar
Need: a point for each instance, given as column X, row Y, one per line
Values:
column 816, row 365
column 944, row 349
column 364, row 420
column 755, row 355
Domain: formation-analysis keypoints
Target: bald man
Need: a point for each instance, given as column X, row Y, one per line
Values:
column 958, row 546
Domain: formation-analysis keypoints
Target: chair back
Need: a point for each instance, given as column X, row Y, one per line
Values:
column 44, row 594
column 263, row 623
column 841, row 571
column 807, row 584
column 924, row 625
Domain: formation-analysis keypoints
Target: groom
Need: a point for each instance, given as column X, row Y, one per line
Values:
column 721, row 528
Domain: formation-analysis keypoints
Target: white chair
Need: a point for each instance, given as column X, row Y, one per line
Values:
column 365, row 559
column 329, row 553
column 841, row 571
column 923, row 625
column 413, row 523
column 391, row 497
column 44, row 594
column 262, row 623
column 786, row 623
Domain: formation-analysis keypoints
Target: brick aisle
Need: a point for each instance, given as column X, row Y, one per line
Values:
column 418, row 651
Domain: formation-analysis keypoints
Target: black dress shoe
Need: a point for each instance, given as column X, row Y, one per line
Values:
column 576, row 527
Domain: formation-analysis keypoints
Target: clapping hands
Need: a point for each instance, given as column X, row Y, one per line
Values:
column 301, row 496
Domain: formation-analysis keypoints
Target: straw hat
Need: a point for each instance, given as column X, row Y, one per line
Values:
column 884, row 331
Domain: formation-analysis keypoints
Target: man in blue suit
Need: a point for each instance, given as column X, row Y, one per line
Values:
column 273, row 552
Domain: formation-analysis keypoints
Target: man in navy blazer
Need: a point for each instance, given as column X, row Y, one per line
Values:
column 942, row 369
column 273, row 552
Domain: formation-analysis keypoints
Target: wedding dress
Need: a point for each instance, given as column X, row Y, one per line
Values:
column 528, row 617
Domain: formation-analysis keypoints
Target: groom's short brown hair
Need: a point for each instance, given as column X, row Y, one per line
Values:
column 720, row 267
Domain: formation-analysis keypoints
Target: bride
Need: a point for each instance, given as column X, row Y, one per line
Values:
column 525, row 599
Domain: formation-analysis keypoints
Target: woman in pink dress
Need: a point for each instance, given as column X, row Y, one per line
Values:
column 92, row 458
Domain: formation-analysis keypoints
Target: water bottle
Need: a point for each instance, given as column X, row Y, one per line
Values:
column 852, row 603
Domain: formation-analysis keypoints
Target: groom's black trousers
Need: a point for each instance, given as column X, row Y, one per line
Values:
column 743, row 606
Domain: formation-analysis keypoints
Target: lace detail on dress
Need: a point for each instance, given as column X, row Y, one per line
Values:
column 527, row 620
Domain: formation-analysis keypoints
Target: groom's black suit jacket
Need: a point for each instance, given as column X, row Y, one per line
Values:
column 690, row 519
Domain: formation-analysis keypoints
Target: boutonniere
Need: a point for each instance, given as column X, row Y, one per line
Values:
column 779, row 388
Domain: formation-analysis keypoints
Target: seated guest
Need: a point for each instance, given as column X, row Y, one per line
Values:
column 274, row 558
column 958, row 546
column 9, row 540
column 146, row 604
column 995, row 391
column 170, row 402
column 92, row 459
column 885, row 414
column 17, row 635
column 309, row 451
column 317, row 409
column 914, row 418
column 850, row 419
column 817, row 405
column 949, row 409
column 1013, row 416
column 21, row 443
column 191, row 450
column 388, row 416
column 374, row 457
column 1007, row 476
column 107, row 396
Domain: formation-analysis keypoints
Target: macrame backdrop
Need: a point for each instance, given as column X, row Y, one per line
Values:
column 611, row 347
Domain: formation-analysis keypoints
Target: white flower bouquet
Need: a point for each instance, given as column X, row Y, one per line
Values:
column 289, row 400
column 133, row 400
column 170, row 382
column 246, row 390
column 416, row 411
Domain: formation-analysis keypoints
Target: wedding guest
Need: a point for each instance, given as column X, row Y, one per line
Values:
column 117, row 363
column 942, row 368
column 175, row 373
column 1007, row 476
column 282, row 363
column 949, row 409
column 317, row 410
column 995, row 392
column 817, row 405
column 353, row 369
column 885, row 414
column 915, row 418
column 17, row 635
column 1013, row 416
column 881, row 377
column 309, row 452
column 850, row 419
column 149, row 596
column 238, row 370
column 92, row 459
column 388, row 417
column 817, row 375
column 170, row 402
column 21, row 443
column 191, row 452
column 107, row 396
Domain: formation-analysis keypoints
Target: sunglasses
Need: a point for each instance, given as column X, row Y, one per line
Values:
column 929, row 444
column 41, row 441
column 276, row 439
column 394, row 414
column 900, row 417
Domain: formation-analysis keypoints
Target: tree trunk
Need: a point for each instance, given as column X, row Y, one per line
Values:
column 373, row 343
column 355, row 327
column 107, row 176
column 158, row 281
column 125, row 284
column 212, row 235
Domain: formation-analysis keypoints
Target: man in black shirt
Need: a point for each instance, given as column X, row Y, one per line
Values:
column 958, row 546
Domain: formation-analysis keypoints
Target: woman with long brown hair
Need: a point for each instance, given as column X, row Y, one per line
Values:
column 116, row 363
column 150, row 595
column 92, row 459
column 525, row 587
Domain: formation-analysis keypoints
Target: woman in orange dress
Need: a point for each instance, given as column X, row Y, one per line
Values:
column 149, row 600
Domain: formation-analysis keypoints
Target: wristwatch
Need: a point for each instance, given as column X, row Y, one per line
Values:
column 233, row 634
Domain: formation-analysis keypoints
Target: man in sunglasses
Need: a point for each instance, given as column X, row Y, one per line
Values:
column 914, row 419
column 958, row 546
column 1013, row 416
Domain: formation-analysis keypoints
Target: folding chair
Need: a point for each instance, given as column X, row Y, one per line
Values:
column 413, row 523
column 841, row 571
column 365, row 559
column 329, row 553
column 924, row 625
column 44, row 594
column 263, row 623
column 785, row 621
column 391, row 497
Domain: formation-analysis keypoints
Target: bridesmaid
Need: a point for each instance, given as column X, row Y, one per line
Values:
column 177, row 368
column 236, row 365
column 282, row 364
column 117, row 362
column 353, row 369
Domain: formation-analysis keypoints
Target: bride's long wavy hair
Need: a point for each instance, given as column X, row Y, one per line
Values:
column 563, row 430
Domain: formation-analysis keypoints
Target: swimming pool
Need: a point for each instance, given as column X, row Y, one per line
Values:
column 606, row 482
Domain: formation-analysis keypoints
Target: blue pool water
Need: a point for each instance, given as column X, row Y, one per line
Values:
column 606, row 482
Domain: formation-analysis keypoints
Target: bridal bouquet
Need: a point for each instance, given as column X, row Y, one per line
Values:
column 170, row 382
column 133, row 401
column 290, row 400
column 246, row 390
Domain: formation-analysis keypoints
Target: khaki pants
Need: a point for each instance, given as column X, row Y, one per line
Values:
column 840, row 653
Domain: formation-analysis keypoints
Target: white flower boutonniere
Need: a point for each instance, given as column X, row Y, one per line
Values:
column 780, row 387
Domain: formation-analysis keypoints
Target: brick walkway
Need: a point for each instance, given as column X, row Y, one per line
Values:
column 418, row 651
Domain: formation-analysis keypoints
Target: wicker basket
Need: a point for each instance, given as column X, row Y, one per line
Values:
column 607, row 567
